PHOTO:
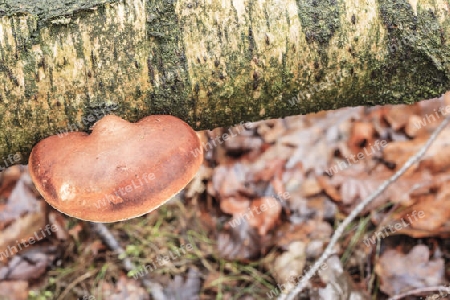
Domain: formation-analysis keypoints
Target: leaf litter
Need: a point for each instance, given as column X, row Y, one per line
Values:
column 260, row 211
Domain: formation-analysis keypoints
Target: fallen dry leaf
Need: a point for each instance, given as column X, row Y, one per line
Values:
column 436, row 159
column 411, row 128
column 8, row 180
column 126, row 288
column 271, row 130
column 290, row 263
column 57, row 221
column 31, row 263
column 265, row 214
column 338, row 284
column 22, row 218
column 354, row 184
column 14, row 290
column 400, row 272
column 235, row 205
column 429, row 216
column 271, row 167
column 323, row 136
column 228, row 181
column 239, row 242
column 398, row 116
column 184, row 289
column 313, row 233
column 310, row 187
column 362, row 134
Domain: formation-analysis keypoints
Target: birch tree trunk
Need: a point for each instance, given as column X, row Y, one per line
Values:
column 211, row 63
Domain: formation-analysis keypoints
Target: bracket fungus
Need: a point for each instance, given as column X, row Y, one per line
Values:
column 120, row 171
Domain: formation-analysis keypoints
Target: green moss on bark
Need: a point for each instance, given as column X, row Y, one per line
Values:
column 47, row 9
column 418, row 61
column 320, row 19
column 166, row 64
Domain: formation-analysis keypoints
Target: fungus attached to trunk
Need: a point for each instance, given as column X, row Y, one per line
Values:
column 120, row 171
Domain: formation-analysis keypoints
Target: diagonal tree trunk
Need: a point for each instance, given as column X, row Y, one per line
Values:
column 211, row 63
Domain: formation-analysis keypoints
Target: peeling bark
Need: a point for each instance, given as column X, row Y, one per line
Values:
column 211, row 63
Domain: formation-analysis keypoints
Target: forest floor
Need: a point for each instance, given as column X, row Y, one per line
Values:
column 258, row 214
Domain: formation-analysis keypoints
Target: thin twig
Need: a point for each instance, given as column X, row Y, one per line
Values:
column 422, row 290
column 155, row 289
column 73, row 284
column 358, row 209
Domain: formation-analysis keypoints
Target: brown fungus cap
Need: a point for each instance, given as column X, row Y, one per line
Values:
column 120, row 171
